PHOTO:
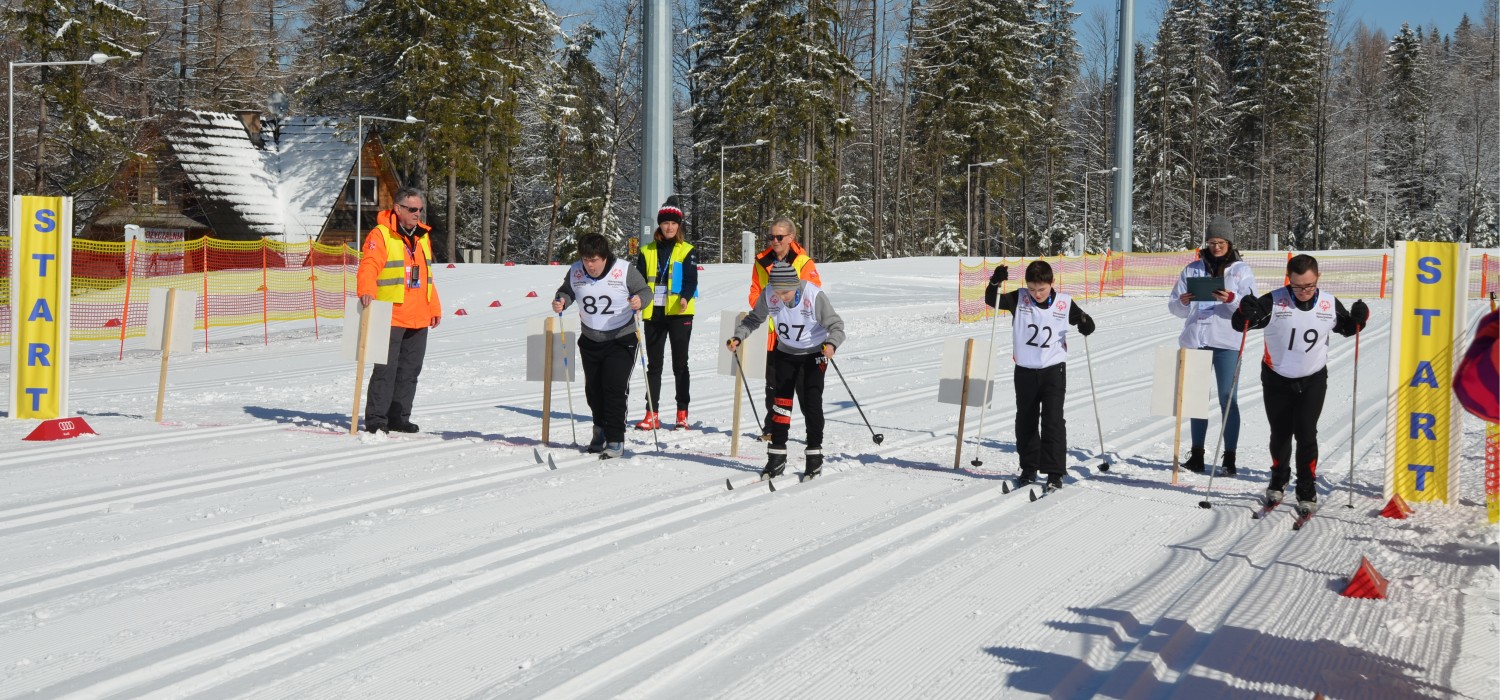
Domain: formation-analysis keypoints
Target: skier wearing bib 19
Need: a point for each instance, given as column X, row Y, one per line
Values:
column 609, row 292
column 807, row 331
column 1039, row 336
column 1299, row 319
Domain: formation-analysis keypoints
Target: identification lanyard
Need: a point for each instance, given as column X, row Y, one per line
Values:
column 414, row 270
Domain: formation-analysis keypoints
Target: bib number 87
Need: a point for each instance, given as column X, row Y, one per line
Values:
column 784, row 331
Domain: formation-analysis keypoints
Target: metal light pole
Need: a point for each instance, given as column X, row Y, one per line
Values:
column 969, row 199
column 722, row 149
column 10, row 178
column 359, row 170
column 1086, row 175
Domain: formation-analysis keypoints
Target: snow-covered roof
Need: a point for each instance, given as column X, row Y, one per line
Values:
column 284, row 187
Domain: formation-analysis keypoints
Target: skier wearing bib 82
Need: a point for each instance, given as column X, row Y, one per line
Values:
column 807, row 331
column 1039, row 335
column 609, row 292
column 1299, row 320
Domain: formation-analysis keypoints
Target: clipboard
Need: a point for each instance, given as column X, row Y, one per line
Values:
column 1203, row 288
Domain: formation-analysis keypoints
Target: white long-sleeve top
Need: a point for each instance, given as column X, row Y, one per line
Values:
column 1206, row 323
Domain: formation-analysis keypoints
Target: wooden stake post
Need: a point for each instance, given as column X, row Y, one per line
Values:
column 169, row 312
column 963, row 402
column 753, row 365
column 1169, row 391
column 1177, row 414
column 367, row 333
column 549, row 328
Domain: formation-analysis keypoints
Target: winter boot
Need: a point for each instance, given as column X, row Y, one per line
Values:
column 612, row 450
column 375, row 426
column 1229, row 462
column 1054, row 482
column 404, row 427
column 1194, row 461
column 775, row 463
column 1307, row 508
column 1273, row 497
column 650, row 422
column 682, row 420
column 814, row 464
column 1028, row 476
column 596, row 444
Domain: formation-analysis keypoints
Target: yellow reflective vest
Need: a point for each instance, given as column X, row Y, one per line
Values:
column 673, row 281
column 390, row 284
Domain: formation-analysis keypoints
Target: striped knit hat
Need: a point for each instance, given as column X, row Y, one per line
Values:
column 784, row 276
column 1477, row 381
column 669, row 212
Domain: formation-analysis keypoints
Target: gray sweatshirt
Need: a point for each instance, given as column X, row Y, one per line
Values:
column 635, row 284
column 823, row 314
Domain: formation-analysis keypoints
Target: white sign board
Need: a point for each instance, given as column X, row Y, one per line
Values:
column 182, row 320
column 1197, row 382
column 377, row 335
column 981, row 372
column 564, row 348
column 754, row 355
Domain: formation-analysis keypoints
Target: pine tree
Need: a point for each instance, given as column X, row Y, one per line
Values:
column 1405, row 148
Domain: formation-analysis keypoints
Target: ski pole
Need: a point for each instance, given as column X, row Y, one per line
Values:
column 878, row 437
column 568, row 375
column 989, row 377
column 640, row 337
column 1224, row 416
column 735, row 353
column 1353, row 417
column 1089, row 359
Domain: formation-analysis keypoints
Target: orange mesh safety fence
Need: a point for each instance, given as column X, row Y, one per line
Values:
column 1365, row 274
column 243, row 282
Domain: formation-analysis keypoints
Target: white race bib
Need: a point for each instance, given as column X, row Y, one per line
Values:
column 796, row 325
column 1297, row 340
column 603, row 304
column 1040, row 336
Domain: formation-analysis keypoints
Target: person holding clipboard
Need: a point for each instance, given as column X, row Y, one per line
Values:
column 1205, row 297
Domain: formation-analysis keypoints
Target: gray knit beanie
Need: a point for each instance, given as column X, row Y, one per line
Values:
column 1219, row 227
column 783, row 276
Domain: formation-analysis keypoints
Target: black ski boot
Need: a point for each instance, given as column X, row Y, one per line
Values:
column 1027, row 477
column 775, row 463
column 814, row 464
column 1054, row 482
column 1229, row 462
column 596, row 445
column 1194, row 461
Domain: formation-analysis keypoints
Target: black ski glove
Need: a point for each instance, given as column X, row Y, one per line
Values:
column 1250, row 310
column 1086, row 325
column 1000, row 274
column 1360, row 314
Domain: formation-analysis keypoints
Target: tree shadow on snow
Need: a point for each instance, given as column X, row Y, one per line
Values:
column 298, row 418
column 1228, row 662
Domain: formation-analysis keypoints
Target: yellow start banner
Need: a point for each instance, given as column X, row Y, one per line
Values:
column 41, row 270
column 1423, row 421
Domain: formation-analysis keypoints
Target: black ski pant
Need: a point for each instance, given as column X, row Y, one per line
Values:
column 1293, row 407
column 1039, row 397
column 607, row 366
column 659, row 328
column 801, row 375
column 393, row 385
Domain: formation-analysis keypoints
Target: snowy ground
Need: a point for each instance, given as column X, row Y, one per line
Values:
column 248, row 548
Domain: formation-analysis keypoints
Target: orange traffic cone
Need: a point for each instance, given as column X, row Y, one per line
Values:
column 1366, row 582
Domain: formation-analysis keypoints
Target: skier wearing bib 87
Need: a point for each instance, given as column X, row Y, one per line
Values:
column 1299, row 320
column 807, row 331
column 609, row 292
column 1039, row 338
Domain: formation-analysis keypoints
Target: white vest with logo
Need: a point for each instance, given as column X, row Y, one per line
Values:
column 603, row 304
column 796, row 325
column 1040, row 336
column 1297, row 340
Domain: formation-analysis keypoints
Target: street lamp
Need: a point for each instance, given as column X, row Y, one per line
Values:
column 97, row 59
column 969, row 198
column 722, row 149
column 359, row 169
column 1086, row 175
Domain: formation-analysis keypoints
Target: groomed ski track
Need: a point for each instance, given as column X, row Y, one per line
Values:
column 258, row 552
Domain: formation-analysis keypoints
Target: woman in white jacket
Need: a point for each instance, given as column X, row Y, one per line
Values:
column 1206, row 326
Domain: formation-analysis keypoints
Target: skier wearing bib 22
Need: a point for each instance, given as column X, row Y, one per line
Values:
column 1039, row 339
column 807, row 331
column 609, row 292
column 1299, row 320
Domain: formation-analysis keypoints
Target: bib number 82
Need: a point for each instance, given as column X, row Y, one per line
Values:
column 591, row 305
